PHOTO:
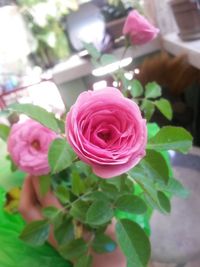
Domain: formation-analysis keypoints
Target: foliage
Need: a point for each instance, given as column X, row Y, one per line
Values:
column 44, row 21
column 148, row 97
column 94, row 202
column 21, row 254
column 9, row 178
column 91, row 204
column 137, row 4
column 46, row 118
column 4, row 131
column 133, row 242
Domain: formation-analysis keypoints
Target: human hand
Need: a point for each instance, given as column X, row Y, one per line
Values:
column 113, row 259
column 31, row 204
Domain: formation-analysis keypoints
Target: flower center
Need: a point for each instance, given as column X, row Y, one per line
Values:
column 104, row 135
column 36, row 144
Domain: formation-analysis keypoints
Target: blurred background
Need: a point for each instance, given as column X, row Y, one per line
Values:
column 43, row 61
column 42, row 49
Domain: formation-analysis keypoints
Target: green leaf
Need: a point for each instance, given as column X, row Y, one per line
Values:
column 176, row 188
column 131, row 203
column 147, row 185
column 164, row 202
column 13, row 167
column 60, row 155
column 4, row 132
column 126, row 84
column 136, row 88
column 64, row 231
column 36, row 233
column 74, row 249
column 165, row 107
column 78, row 186
column 148, row 108
column 95, row 195
column 85, row 261
column 170, row 137
column 79, row 210
column 152, row 90
column 39, row 114
column 61, row 125
column 107, row 59
column 83, row 168
column 100, row 212
column 103, row 243
column 95, row 63
column 110, row 190
column 92, row 50
column 45, row 184
column 152, row 202
column 155, row 166
column 119, row 184
column 133, row 242
column 50, row 212
column 126, row 185
column 62, row 193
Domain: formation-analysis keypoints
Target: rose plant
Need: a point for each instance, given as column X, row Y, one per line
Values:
column 97, row 175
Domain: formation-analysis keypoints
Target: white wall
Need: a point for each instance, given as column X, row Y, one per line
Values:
column 162, row 15
column 15, row 42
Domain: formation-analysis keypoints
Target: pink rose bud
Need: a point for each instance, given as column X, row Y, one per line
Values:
column 138, row 29
column 107, row 131
column 28, row 145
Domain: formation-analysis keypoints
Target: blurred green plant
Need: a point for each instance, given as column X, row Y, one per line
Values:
column 91, row 203
column 44, row 21
column 137, row 4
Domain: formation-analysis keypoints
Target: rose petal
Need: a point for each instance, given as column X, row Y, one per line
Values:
column 106, row 130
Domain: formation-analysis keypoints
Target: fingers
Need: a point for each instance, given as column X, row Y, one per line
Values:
column 49, row 199
column 115, row 258
column 28, row 205
column 52, row 239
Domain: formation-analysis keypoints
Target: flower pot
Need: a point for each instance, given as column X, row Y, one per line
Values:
column 114, row 28
column 187, row 16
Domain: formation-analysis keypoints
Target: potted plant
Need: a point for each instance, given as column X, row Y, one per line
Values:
column 115, row 12
column 187, row 15
column 94, row 178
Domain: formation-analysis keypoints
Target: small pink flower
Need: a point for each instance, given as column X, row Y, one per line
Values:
column 138, row 29
column 107, row 131
column 28, row 145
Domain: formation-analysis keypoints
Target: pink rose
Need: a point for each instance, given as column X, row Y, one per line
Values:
column 138, row 29
column 28, row 145
column 107, row 131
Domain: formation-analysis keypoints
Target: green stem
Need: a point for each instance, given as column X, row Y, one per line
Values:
column 122, row 56
column 79, row 198
column 124, row 53
column 120, row 69
column 75, row 160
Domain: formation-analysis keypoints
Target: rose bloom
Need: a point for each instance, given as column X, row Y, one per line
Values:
column 138, row 29
column 28, row 145
column 107, row 131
